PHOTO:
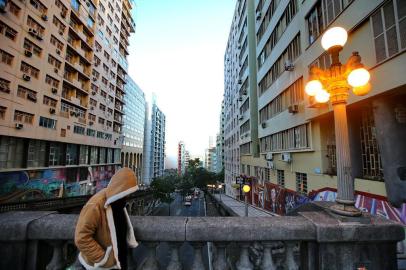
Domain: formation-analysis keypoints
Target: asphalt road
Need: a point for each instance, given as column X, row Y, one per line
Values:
column 177, row 208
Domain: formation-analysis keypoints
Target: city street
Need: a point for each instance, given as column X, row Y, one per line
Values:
column 186, row 251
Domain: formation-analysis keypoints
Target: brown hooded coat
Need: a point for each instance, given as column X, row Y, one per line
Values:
column 95, row 234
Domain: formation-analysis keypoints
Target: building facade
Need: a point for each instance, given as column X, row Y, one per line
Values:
column 286, row 139
column 154, row 163
column 62, row 75
column 181, row 158
column 133, row 130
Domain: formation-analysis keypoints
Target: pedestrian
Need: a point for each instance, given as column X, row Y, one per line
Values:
column 104, row 230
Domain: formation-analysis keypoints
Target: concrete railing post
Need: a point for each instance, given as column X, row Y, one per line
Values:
column 290, row 259
column 244, row 262
column 174, row 263
column 267, row 260
column 57, row 262
column 220, row 259
column 151, row 263
column 197, row 260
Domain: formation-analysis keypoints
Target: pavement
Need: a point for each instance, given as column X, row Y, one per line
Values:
column 239, row 207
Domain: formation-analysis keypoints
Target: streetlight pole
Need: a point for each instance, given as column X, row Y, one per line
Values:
column 246, row 190
column 334, row 83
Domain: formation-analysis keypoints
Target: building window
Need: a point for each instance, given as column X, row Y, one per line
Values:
column 51, row 81
column 3, row 112
column 47, row 122
column 280, row 177
column 79, row 130
column 39, row 6
column 4, row 85
column 49, row 101
column 58, row 44
column 75, row 5
column 389, row 29
column 71, row 154
column 28, row 69
column 6, row 57
column 301, row 182
column 90, row 132
column 7, row 31
column 30, row 46
column 93, row 155
column 102, row 153
column 245, row 127
column 35, row 25
column 245, row 148
column 83, row 154
column 23, row 117
column 54, row 62
column 12, row 152
column 371, row 156
column 290, row 139
column 36, row 155
column 55, row 154
column 14, row 9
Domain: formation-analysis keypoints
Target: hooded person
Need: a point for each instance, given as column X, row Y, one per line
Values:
column 104, row 230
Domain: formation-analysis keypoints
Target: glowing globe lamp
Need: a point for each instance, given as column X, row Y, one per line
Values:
column 334, row 37
column 246, row 188
column 312, row 87
column 362, row 90
column 358, row 77
column 322, row 96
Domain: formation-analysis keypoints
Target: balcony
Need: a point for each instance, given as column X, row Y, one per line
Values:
column 311, row 240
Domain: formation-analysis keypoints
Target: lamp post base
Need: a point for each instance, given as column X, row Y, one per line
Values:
column 345, row 209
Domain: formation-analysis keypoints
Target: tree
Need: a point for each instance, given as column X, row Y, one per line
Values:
column 162, row 188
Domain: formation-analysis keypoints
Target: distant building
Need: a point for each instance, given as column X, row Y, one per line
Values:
column 210, row 159
column 154, row 146
column 133, row 130
column 181, row 158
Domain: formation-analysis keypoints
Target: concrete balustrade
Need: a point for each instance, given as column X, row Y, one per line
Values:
column 311, row 240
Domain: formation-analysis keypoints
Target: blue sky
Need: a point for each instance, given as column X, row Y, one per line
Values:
column 177, row 52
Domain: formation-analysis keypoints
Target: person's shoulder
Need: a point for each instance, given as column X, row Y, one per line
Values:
column 97, row 199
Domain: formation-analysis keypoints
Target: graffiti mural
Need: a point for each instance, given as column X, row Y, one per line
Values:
column 53, row 183
column 367, row 203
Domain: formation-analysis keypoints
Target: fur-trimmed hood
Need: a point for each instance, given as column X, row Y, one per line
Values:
column 95, row 234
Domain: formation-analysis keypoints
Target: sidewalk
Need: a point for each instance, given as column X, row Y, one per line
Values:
column 238, row 207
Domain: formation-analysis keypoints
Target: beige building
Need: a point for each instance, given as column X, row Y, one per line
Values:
column 288, row 139
column 62, row 75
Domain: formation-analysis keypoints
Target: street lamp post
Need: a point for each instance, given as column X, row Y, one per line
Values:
column 246, row 189
column 334, row 84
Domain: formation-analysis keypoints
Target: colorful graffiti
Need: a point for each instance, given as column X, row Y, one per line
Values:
column 53, row 183
column 368, row 203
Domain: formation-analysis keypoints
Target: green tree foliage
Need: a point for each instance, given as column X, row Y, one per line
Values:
column 162, row 188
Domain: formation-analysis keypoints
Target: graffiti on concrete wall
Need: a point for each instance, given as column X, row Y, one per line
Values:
column 277, row 199
column 374, row 205
column 53, row 183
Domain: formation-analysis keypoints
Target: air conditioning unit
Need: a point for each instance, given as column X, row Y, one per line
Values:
column 60, row 31
column 258, row 15
column 94, row 79
column 90, row 123
column 239, row 81
column 39, row 37
column 93, row 93
column 32, row 31
column 51, row 110
column 44, row 17
column 270, row 165
column 91, row 108
column 58, row 51
column 26, row 77
column 293, row 108
column 4, row 88
column 72, row 113
column 239, row 46
column 269, row 156
column 32, row 97
column 56, row 70
column 286, row 157
column 263, row 125
column 28, row 53
column 88, row 4
column 63, row 14
column 244, row 92
column 241, row 117
column 289, row 66
column 19, row 126
column 54, row 90
column 240, row 99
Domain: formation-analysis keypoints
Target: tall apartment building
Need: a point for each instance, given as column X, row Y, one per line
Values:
column 181, row 158
column 286, row 139
column 220, row 142
column 133, row 129
column 62, row 75
column 154, row 146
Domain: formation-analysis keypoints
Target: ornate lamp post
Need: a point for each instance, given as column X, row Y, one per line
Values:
column 246, row 189
column 334, row 84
